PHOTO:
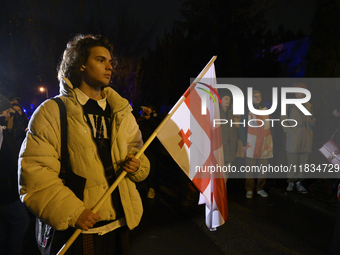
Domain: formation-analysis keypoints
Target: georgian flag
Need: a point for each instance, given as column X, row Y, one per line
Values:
column 259, row 137
column 195, row 144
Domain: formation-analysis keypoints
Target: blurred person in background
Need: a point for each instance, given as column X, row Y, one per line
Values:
column 148, row 122
column 299, row 140
column 14, row 219
column 258, row 145
column 229, row 136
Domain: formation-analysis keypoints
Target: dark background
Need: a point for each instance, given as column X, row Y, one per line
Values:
column 160, row 45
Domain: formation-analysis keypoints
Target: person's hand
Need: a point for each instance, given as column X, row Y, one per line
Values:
column 87, row 219
column 131, row 164
column 336, row 113
column 245, row 150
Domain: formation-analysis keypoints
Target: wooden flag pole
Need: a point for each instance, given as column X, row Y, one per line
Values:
column 139, row 153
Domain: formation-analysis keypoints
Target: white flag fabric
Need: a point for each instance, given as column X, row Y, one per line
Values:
column 259, row 137
column 196, row 145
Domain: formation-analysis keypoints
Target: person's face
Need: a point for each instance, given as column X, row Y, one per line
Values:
column 98, row 68
column 257, row 98
column 17, row 108
column 146, row 112
column 226, row 101
column 6, row 114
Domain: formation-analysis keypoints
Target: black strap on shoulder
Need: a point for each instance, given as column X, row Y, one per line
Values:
column 63, row 130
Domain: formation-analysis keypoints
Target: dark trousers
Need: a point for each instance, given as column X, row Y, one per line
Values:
column 113, row 243
column 14, row 221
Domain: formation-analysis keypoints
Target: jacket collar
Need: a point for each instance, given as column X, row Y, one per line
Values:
column 116, row 102
column 83, row 98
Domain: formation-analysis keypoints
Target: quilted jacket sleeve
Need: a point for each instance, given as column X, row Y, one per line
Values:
column 40, row 187
column 135, row 143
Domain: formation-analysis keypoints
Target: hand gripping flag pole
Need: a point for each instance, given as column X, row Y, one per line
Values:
column 146, row 144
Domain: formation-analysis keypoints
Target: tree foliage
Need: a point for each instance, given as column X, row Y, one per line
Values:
column 34, row 34
column 324, row 53
column 232, row 30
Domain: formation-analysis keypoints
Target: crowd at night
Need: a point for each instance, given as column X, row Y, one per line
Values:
column 114, row 70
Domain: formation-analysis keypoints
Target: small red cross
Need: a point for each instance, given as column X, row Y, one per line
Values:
column 185, row 138
column 267, row 147
column 248, row 146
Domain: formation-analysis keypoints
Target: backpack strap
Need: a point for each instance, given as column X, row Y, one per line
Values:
column 63, row 129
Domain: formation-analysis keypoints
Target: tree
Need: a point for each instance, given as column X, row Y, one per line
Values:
column 35, row 33
column 141, row 95
column 324, row 53
column 232, row 30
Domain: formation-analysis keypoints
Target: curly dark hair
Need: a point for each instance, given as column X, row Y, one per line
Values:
column 76, row 55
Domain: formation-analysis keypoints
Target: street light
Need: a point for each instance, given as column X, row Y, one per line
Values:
column 42, row 89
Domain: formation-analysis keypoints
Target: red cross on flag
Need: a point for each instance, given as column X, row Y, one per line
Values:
column 260, row 142
column 195, row 144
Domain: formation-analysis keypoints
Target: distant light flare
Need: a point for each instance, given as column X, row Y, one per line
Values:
column 43, row 89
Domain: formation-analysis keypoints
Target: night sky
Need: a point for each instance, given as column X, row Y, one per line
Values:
column 294, row 15
column 34, row 33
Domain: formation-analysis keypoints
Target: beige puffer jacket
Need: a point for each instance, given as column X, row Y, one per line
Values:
column 43, row 191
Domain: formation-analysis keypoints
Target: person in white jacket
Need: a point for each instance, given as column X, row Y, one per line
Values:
column 103, row 137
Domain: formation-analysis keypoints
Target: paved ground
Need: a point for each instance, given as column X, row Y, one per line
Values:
column 281, row 224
